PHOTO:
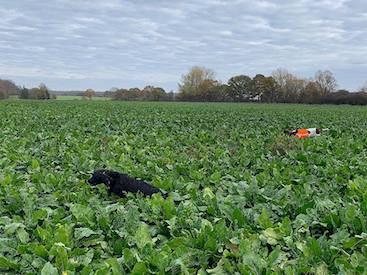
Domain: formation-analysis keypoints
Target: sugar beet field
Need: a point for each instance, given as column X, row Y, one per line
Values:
column 243, row 197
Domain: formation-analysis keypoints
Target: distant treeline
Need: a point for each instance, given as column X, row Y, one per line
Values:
column 8, row 88
column 199, row 84
column 149, row 93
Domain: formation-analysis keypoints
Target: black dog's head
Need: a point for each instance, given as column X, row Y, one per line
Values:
column 100, row 176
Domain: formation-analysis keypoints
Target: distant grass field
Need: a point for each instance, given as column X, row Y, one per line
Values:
column 70, row 97
column 243, row 197
column 13, row 97
column 67, row 97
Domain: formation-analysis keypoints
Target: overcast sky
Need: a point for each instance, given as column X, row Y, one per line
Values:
column 77, row 44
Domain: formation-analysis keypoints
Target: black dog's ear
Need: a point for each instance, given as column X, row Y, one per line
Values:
column 106, row 178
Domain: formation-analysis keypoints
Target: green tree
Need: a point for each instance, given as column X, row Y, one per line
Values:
column 120, row 94
column 265, row 89
column 127, row 94
column 134, row 94
column 311, row 93
column 258, row 87
column 210, row 90
column 271, row 90
column 24, row 93
column 153, row 93
column 240, row 88
column 158, row 93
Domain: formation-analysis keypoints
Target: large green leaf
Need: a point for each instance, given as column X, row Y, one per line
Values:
column 243, row 198
column 49, row 269
column 6, row 264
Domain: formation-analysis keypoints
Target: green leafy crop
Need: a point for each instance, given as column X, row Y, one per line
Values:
column 244, row 198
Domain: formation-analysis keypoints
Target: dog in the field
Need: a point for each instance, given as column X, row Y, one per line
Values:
column 120, row 184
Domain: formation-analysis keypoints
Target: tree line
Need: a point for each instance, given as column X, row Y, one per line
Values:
column 9, row 88
column 41, row 92
column 200, row 84
column 149, row 93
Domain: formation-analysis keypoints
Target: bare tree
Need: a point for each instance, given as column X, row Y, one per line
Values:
column 89, row 93
column 325, row 82
column 290, row 86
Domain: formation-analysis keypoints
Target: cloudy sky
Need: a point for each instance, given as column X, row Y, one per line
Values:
column 77, row 44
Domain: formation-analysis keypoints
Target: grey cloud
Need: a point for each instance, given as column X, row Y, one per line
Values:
column 76, row 44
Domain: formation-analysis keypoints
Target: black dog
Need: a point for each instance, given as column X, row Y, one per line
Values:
column 120, row 184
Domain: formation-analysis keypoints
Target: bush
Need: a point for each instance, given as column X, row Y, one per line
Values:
column 7, row 88
column 39, row 93
column 149, row 93
column 24, row 93
column 345, row 97
column 3, row 95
